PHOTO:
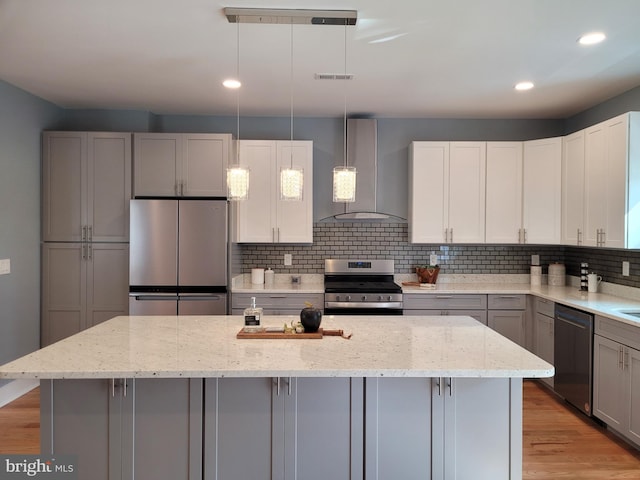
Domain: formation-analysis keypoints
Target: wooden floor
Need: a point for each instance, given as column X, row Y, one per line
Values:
column 558, row 443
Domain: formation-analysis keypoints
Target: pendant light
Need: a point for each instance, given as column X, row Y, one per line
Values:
column 291, row 178
column 237, row 175
column 344, row 177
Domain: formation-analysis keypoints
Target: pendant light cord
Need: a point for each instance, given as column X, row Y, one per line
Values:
column 344, row 147
column 238, row 92
column 291, row 95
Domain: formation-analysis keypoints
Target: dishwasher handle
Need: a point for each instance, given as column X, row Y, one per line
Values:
column 146, row 297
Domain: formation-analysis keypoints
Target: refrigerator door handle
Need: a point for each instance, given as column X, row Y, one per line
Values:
column 199, row 296
column 150, row 296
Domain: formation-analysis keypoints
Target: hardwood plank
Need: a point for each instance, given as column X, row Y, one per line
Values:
column 20, row 425
column 558, row 442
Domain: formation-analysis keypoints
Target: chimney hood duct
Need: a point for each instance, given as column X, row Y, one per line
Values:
column 362, row 153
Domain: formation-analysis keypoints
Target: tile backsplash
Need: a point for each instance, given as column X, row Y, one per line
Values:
column 390, row 240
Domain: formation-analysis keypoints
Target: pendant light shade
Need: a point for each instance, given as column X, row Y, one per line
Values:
column 291, row 184
column 344, row 184
column 237, row 183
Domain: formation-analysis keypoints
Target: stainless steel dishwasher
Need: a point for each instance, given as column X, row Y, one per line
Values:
column 573, row 356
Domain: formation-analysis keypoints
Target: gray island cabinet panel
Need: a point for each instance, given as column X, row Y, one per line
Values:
column 286, row 428
column 443, row 428
column 125, row 429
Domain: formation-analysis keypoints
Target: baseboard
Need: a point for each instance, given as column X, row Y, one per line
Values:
column 15, row 389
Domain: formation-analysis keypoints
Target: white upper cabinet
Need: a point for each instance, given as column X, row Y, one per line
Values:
column 542, row 191
column 180, row 165
column 573, row 177
column 447, row 192
column 612, row 183
column 504, row 192
column 86, row 186
column 264, row 217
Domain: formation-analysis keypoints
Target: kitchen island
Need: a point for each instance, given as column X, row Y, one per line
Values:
column 182, row 397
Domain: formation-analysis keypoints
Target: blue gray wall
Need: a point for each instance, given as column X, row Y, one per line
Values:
column 24, row 116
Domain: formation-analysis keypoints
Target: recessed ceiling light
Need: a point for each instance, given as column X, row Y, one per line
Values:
column 591, row 38
column 524, row 86
column 231, row 83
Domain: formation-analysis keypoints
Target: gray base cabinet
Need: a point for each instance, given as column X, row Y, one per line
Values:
column 544, row 333
column 287, row 428
column 616, row 379
column 114, row 427
column 474, row 306
column 507, row 316
column 443, row 428
column 276, row 303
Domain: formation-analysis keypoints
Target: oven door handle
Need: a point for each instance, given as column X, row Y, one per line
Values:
column 347, row 305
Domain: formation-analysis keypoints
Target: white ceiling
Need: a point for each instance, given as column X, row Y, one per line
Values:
column 451, row 58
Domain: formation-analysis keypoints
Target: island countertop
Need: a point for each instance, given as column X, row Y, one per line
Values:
column 206, row 346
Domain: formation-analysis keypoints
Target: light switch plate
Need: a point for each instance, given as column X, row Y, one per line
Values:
column 625, row 269
column 287, row 259
column 5, row 266
column 433, row 259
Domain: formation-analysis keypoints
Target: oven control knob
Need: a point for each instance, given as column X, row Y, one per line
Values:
column 337, row 298
column 364, row 298
column 348, row 298
column 379, row 298
column 389, row 299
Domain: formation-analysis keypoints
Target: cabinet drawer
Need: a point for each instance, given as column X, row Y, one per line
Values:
column 479, row 315
column 507, row 302
column 436, row 301
column 544, row 306
column 621, row 332
column 278, row 301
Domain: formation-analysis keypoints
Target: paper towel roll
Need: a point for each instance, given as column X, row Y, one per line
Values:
column 257, row 276
column 536, row 275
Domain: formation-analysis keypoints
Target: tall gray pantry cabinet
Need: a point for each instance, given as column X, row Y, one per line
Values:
column 86, row 188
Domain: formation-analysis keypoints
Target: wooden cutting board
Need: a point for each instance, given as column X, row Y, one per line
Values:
column 292, row 335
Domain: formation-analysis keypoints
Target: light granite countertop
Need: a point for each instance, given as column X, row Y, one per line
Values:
column 611, row 302
column 206, row 346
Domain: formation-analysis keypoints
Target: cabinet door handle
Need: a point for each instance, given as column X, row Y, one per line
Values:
column 277, row 382
column 450, row 386
column 273, row 234
column 438, row 385
column 626, row 359
column 524, row 234
column 579, row 237
column 113, row 387
column 89, row 251
column 278, row 234
column 83, row 233
column 604, row 237
column 620, row 355
column 90, row 235
column 289, row 386
column 84, row 251
column 124, row 387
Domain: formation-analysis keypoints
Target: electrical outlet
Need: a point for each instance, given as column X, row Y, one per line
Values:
column 433, row 259
column 625, row 269
column 5, row 266
column 288, row 258
column 535, row 260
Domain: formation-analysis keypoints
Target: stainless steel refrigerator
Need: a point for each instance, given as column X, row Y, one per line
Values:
column 178, row 257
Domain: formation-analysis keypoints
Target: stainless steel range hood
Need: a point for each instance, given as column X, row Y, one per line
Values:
column 362, row 153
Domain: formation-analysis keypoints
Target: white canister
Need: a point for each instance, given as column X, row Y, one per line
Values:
column 556, row 274
column 269, row 276
column 536, row 275
column 257, row 276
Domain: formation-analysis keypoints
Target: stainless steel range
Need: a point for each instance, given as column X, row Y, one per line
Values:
column 361, row 287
